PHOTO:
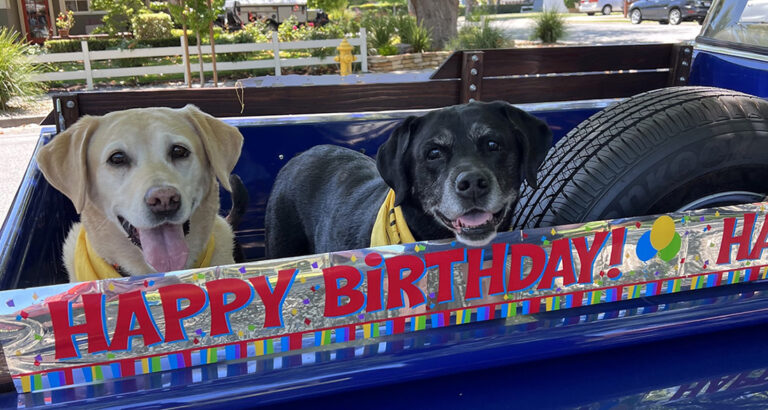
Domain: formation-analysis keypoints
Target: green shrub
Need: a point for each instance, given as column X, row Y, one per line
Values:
column 346, row 19
column 571, row 4
column 16, row 69
column 381, row 29
column 478, row 37
column 549, row 27
column 119, row 14
column 150, row 26
column 413, row 33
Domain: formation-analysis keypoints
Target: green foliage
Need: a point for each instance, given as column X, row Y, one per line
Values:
column 291, row 30
column 413, row 33
column 387, row 50
column 572, row 4
column 327, row 5
column 549, row 27
column 151, row 26
column 16, row 69
column 381, row 30
column 397, row 8
column 159, row 7
column 478, row 37
column 119, row 14
column 348, row 20
column 196, row 14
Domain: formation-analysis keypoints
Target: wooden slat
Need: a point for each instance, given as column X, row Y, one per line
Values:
column 224, row 102
column 570, row 88
column 550, row 60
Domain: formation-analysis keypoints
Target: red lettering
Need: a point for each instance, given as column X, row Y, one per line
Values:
column 761, row 243
column 132, row 309
column 560, row 252
column 64, row 331
column 374, row 278
column 475, row 271
column 729, row 239
column 397, row 284
column 220, row 309
column 444, row 261
column 171, row 297
column 273, row 299
column 587, row 256
column 517, row 253
column 334, row 292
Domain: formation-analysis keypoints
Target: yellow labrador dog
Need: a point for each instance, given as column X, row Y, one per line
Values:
column 144, row 183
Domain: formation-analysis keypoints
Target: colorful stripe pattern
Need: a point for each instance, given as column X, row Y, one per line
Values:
column 46, row 380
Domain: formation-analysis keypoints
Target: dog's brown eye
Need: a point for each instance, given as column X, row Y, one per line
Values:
column 434, row 154
column 493, row 145
column 118, row 158
column 178, row 152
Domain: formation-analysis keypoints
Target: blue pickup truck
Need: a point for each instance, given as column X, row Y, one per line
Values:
column 650, row 130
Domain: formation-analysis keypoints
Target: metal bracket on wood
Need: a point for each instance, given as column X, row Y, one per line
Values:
column 66, row 110
column 471, row 76
column 680, row 66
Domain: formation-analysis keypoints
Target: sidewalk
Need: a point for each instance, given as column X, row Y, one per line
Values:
column 16, row 147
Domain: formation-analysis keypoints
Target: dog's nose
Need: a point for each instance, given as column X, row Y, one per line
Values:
column 163, row 200
column 471, row 184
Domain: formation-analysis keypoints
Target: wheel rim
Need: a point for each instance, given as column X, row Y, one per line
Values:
column 635, row 16
column 723, row 199
column 606, row 10
column 674, row 17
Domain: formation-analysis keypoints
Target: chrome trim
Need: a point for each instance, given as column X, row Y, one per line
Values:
column 398, row 114
column 730, row 52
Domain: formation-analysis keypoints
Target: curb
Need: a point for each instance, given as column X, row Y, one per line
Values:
column 19, row 121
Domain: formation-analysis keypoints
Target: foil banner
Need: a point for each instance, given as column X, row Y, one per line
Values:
column 73, row 334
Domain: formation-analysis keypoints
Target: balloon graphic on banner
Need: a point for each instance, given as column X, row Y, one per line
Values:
column 661, row 240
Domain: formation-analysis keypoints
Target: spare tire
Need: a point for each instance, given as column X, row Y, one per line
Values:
column 660, row 151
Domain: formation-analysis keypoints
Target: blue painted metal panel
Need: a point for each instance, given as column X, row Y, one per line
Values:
column 734, row 73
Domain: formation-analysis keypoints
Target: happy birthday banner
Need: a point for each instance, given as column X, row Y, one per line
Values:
column 81, row 333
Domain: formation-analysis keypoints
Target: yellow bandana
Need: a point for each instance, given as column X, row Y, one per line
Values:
column 390, row 227
column 89, row 266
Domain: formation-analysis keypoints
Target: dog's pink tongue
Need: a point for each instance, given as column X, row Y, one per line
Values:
column 473, row 219
column 164, row 247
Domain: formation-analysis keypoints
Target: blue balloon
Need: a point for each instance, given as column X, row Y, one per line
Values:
column 645, row 250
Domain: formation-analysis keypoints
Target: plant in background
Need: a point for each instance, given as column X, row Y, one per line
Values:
column 150, row 26
column 548, row 27
column 198, row 16
column 381, row 30
column 413, row 33
column 16, row 70
column 119, row 14
column 291, row 30
column 65, row 21
column 483, row 36
column 327, row 5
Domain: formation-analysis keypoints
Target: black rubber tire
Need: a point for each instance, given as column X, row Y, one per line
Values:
column 606, row 10
column 651, row 154
column 590, row 14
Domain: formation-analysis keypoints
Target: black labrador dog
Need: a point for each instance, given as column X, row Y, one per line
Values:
column 455, row 172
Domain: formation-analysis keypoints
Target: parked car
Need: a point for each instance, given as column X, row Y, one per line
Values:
column 604, row 6
column 669, row 11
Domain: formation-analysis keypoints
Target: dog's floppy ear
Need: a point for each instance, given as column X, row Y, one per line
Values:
column 63, row 160
column 391, row 159
column 536, row 139
column 222, row 142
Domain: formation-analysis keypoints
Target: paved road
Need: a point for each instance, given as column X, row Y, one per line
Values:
column 607, row 30
column 16, row 147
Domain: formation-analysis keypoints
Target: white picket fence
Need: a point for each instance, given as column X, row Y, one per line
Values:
column 276, row 63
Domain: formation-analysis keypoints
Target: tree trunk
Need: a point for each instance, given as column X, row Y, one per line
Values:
column 186, row 48
column 213, row 52
column 200, row 59
column 439, row 16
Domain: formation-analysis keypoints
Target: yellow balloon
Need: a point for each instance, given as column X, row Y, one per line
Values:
column 662, row 232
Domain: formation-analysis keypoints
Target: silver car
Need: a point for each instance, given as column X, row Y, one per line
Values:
column 602, row 6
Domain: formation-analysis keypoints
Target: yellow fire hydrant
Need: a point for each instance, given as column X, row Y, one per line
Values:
column 345, row 57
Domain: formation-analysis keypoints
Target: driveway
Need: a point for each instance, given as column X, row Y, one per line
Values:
column 613, row 29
